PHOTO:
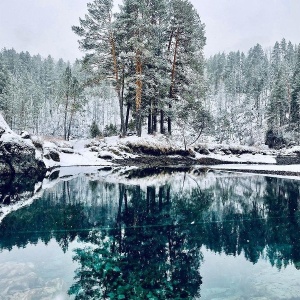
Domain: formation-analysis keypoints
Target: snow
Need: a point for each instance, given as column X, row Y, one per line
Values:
column 81, row 156
column 11, row 137
column 243, row 158
column 284, row 168
column 4, row 125
column 289, row 151
column 77, row 153
column 265, row 168
column 115, row 147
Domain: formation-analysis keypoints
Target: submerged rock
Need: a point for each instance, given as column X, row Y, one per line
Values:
column 23, row 281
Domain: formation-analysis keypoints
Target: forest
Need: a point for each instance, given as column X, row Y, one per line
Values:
column 144, row 69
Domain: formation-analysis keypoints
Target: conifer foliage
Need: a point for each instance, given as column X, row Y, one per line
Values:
column 151, row 51
column 254, row 97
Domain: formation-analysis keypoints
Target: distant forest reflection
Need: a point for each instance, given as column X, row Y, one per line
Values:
column 144, row 236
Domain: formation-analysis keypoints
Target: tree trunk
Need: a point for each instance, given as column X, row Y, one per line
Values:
column 170, row 121
column 150, row 118
column 138, row 95
column 162, row 120
column 118, row 88
column 290, row 101
column 65, row 117
column 154, row 119
column 139, row 122
column 70, row 123
column 173, row 80
column 150, row 122
column 127, row 117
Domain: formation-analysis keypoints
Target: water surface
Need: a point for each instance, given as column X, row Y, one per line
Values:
column 153, row 234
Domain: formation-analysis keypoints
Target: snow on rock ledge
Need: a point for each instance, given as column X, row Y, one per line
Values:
column 17, row 155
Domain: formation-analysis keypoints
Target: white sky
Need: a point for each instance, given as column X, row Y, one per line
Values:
column 44, row 26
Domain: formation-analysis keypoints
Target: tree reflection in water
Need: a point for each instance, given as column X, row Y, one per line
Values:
column 148, row 244
column 150, row 254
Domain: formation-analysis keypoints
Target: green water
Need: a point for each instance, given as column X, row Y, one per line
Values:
column 154, row 235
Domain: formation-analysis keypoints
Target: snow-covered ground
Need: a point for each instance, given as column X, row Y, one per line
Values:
column 272, row 169
column 101, row 152
column 78, row 155
column 281, row 168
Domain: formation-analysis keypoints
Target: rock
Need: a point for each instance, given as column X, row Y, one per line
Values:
column 227, row 151
column 37, row 142
column 25, row 135
column 21, row 158
column 235, row 151
column 67, row 150
column 22, row 281
column 204, row 151
column 292, row 144
column 5, row 168
column 62, row 144
column 18, row 156
column 2, row 130
column 131, row 133
column 52, row 154
column 95, row 143
column 105, row 155
column 94, row 149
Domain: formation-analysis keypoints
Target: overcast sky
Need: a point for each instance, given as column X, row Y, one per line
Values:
column 44, row 26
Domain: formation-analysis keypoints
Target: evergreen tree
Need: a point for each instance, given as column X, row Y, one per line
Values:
column 98, row 40
column 185, row 48
column 295, row 105
column 146, row 42
column 4, row 85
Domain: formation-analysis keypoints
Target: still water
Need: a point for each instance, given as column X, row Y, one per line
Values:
column 151, row 234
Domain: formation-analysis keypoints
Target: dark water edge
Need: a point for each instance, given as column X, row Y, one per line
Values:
column 149, row 234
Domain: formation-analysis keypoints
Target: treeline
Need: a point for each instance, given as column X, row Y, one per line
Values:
column 48, row 97
column 254, row 97
column 144, row 67
column 147, row 59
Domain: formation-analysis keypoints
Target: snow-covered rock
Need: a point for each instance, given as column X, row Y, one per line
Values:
column 25, row 135
column 17, row 155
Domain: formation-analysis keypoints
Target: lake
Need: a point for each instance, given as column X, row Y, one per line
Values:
column 150, row 234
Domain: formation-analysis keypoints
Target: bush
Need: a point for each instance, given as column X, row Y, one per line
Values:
column 94, row 130
column 274, row 139
column 110, row 130
column 131, row 125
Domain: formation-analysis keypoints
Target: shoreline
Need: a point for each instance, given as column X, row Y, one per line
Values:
column 179, row 163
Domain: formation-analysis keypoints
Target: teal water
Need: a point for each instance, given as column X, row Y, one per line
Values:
column 154, row 235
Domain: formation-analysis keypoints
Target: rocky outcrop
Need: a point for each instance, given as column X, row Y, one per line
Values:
column 18, row 155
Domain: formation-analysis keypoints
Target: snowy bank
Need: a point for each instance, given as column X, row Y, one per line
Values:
column 160, row 151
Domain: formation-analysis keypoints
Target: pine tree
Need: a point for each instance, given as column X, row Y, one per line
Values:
column 295, row 105
column 185, row 46
column 98, row 40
